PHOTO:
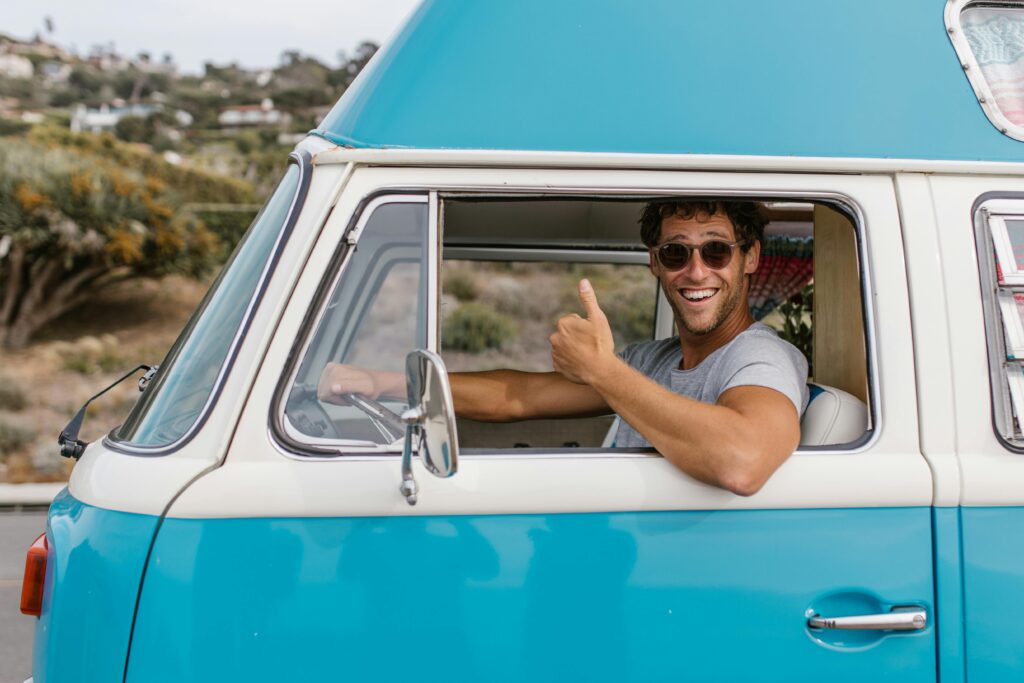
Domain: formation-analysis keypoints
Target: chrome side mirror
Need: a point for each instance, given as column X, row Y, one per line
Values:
column 430, row 421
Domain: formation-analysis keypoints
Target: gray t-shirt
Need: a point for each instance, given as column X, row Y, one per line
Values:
column 756, row 356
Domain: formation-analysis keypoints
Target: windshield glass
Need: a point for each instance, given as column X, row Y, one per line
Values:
column 175, row 398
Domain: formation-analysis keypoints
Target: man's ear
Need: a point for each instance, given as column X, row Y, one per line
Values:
column 651, row 263
column 752, row 258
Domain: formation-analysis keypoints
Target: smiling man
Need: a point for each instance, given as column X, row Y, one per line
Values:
column 722, row 400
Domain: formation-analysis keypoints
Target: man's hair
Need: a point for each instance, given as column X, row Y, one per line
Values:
column 746, row 217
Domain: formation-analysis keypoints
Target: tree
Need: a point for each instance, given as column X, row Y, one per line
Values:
column 79, row 213
column 133, row 129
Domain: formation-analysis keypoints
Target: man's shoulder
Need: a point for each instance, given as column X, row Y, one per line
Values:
column 759, row 356
column 759, row 339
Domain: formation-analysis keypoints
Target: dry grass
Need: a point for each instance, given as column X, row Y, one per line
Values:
column 78, row 355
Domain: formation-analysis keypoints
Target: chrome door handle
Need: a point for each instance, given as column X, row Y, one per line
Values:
column 909, row 620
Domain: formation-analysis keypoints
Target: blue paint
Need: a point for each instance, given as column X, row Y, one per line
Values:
column 949, row 607
column 92, row 582
column 993, row 557
column 857, row 78
column 656, row 596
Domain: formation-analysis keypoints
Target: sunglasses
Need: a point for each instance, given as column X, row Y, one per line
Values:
column 715, row 254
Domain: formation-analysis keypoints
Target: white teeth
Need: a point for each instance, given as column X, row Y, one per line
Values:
column 697, row 294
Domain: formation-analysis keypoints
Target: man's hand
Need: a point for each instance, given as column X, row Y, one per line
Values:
column 580, row 346
column 337, row 379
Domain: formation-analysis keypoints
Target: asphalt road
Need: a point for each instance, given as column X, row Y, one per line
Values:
column 17, row 531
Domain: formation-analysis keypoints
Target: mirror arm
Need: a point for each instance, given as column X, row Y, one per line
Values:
column 413, row 418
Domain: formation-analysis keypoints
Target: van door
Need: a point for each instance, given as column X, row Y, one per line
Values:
column 971, row 212
column 299, row 556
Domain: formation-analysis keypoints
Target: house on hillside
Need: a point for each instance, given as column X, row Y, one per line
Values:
column 15, row 66
column 252, row 115
column 106, row 117
column 55, row 72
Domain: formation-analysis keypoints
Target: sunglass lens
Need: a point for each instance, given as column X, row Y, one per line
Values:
column 716, row 254
column 673, row 255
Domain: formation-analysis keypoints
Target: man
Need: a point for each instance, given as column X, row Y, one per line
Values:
column 722, row 401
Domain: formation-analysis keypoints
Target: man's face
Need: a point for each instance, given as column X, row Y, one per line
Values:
column 702, row 297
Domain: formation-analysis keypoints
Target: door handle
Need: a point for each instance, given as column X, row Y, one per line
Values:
column 906, row 620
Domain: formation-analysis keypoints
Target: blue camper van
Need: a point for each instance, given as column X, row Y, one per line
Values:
column 236, row 527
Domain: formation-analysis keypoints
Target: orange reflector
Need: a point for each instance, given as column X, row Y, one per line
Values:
column 35, row 575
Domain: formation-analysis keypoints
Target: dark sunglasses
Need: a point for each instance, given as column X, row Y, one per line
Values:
column 714, row 253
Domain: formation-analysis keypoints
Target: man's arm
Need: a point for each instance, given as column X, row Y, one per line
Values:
column 490, row 396
column 735, row 444
column 510, row 395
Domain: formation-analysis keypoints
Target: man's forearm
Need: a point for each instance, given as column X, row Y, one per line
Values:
column 491, row 395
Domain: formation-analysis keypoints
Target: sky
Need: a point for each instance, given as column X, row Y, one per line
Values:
column 195, row 31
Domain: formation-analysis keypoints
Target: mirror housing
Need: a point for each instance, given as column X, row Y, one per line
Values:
column 430, row 421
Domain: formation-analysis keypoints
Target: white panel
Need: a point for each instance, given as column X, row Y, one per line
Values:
column 524, row 485
column 991, row 474
column 257, row 479
column 147, row 483
column 676, row 162
column 932, row 355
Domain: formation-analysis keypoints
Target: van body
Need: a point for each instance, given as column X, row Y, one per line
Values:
column 237, row 528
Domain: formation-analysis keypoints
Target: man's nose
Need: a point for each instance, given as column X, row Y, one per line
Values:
column 695, row 268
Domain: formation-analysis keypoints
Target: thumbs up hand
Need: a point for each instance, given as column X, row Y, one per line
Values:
column 580, row 346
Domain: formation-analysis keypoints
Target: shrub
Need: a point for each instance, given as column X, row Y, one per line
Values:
column 475, row 328
column 460, row 284
column 631, row 312
column 13, row 436
column 12, row 395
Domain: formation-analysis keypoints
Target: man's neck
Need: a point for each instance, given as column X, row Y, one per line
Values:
column 697, row 347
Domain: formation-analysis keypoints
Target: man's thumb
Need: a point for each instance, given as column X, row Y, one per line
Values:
column 589, row 300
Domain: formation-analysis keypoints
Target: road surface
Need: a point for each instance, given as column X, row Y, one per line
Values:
column 17, row 531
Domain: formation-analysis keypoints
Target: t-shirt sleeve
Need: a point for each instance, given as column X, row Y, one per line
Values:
column 628, row 354
column 768, row 362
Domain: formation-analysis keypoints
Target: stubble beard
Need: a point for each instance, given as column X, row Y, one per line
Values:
column 727, row 307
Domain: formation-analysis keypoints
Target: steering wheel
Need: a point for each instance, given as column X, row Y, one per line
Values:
column 308, row 414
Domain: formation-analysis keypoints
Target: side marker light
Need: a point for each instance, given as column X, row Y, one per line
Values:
column 35, row 575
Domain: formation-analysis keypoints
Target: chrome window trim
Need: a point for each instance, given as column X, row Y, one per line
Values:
column 969, row 63
column 1004, row 204
column 305, row 164
column 441, row 190
column 547, row 254
column 284, row 435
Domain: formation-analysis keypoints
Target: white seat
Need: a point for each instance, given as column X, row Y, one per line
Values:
column 833, row 416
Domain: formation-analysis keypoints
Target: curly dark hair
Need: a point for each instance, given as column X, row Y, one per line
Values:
column 746, row 217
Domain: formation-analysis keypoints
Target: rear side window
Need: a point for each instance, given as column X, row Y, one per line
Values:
column 999, row 227
column 184, row 386
column 989, row 40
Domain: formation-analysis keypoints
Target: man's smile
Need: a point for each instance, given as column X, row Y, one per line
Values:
column 698, row 295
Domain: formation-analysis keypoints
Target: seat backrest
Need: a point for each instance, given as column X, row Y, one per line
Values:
column 832, row 417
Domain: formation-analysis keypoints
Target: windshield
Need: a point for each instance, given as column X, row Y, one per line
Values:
column 181, row 389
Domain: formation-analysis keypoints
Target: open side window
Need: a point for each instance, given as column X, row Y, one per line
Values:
column 510, row 269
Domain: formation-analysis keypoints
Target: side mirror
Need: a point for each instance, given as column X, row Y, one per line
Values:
column 430, row 421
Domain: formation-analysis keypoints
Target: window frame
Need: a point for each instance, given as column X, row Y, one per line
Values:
column 304, row 161
column 287, row 436
column 988, row 207
column 969, row 63
column 306, row 451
